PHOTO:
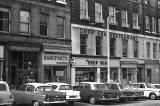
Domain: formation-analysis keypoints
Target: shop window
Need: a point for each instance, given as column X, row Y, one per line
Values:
column 112, row 46
column 124, row 47
column 4, row 19
column 24, row 22
column 44, row 24
column 61, row 27
column 83, row 44
column 98, row 45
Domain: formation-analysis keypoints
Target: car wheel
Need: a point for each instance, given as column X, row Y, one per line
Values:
column 152, row 96
column 92, row 100
column 35, row 103
column 122, row 100
column 71, row 103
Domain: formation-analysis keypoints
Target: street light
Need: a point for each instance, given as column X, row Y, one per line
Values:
column 108, row 47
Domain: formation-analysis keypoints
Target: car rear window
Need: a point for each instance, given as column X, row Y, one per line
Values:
column 100, row 87
column 3, row 87
column 65, row 87
column 44, row 88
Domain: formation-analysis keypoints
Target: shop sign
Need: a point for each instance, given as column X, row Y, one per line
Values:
column 1, row 52
column 92, row 31
column 55, row 59
column 24, row 48
column 96, row 62
column 128, row 62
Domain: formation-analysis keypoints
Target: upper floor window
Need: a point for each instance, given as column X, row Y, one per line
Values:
column 159, row 25
column 153, row 24
column 98, row 45
column 43, row 24
column 158, row 3
column 135, row 49
column 83, row 44
column 124, row 47
column 24, row 22
column 147, row 23
column 147, row 49
column 98, row 13
column 153, row 3
column 61, row 27
column 124, row 18
column 61, row 1
column 135, row 21
column 84, row 9
column 112, row 11
column 112, row 46
column 154, row 50
column 4, row 19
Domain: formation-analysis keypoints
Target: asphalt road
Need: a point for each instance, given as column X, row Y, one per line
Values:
column 128, row 103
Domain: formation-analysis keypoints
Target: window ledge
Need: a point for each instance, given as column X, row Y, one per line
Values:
column 113, row 23
column 154, row 33
column 136, row 27
column 61, row 2
column 147, row 31
column 125, row 25
column 85, row 18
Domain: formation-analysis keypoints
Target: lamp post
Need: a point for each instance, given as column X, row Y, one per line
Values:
column 108, row 46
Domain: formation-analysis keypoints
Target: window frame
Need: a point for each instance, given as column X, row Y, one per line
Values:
column 83, row 51
column 154, row 50
column 112, row 9
column 26, row 23
column 135, row 20
column 112, row 48
column 135, row 48
column 64, row 27
column 98, row 45
column 148, row 48
column 98, row 13
column 43, row 24
column 9, row 22
column 124, row 48
column 84, row 9
column 154, row 25
column 147, row 23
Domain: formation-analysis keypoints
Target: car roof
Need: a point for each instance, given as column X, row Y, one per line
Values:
column 3, row 82
column 38, row 84
column 57, row 83
column 92, row 83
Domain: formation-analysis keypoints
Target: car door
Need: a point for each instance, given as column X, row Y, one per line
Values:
column 85, row 91
column 29, row 94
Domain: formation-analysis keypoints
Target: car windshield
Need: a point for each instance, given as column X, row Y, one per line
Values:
column 100, row 87
column 157, row 86
column 124, row 86
column 44, row 88
column 65, row 87
column 149, row 86
column 3, row 87
column 133, row 86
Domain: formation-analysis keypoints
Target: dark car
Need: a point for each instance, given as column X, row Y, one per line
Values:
column 38, row 94
column 94, row 91
column 126, row 92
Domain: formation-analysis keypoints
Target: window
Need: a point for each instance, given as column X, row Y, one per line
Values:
column 83, row 44
column 4, row 19
column 147, row 23
column 98, row 13
column 158, row 3
column 61, row 27
column 124, row 47
column 135, row 49
column 111, row 11
column 84, row 9
column 43, row 24
column 154, row 50
column 159, row 25
column 124, row 18
column 61, row 1
column 135, row 21
column 98, row 45
column 3, row 87
column 112, row 46
column 153, row 24
column 148, row 50
column 24, row 22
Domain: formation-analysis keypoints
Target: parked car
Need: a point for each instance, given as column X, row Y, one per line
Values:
column 126, row 93
column 157, row 86
column 94, row 91
column 71, row 95
column 6, row 98
column 37, row 94
column 148, row 89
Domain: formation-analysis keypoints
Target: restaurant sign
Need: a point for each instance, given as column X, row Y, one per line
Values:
column 55, row 59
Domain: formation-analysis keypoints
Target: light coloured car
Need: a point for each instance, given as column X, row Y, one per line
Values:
column 6, row 97
column 148, row 89
column 157, row 86
column 71, row 95
column 36, row 94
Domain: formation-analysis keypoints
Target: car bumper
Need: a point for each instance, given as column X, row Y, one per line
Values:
column 107, row 99
column 44, row 102
column 1, row 104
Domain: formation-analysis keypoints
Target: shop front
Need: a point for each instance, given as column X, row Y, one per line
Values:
column 56, row 67
column 152, row 71
column 128, row 71
column 93, row 70
column 22, row 61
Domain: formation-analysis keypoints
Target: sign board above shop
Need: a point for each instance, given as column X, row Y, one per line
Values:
column 112, row 34
column 55, row 59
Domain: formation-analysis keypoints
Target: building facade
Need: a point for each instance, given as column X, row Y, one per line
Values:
column 35, row 41
column 134, row 40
